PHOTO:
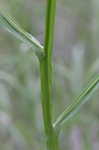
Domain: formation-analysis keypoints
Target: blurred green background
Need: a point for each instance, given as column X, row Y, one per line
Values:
column 75, row 60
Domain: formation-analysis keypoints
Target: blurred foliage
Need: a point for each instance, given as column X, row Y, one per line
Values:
column 75, row 60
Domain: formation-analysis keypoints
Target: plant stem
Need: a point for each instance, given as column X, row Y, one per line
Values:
column 46, row 77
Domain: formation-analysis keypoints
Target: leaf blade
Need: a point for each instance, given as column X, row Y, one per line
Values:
column 73, row 108
column 9, row 24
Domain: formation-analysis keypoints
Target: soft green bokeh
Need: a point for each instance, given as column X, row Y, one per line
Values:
column 75, row 60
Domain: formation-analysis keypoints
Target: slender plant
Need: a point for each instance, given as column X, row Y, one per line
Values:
column 46, row 76
column 44, row 54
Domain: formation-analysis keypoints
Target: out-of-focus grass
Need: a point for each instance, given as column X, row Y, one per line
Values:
column 75, row 57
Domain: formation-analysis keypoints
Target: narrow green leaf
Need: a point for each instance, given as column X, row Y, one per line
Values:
column 73, row 108
column 10, row 25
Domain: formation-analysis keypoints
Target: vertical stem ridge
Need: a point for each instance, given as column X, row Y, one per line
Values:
column 46, row 77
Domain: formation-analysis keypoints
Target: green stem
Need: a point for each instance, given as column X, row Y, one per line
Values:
column 46, row 77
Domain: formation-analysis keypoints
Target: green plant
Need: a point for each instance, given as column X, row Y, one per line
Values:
column 44, row 55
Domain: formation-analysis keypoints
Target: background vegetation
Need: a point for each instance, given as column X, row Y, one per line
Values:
column 75, row 59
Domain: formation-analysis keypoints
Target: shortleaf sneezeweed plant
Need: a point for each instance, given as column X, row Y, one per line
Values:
column 44, row 54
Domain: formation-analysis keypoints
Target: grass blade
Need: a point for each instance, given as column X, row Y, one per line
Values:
column 73, row 108
column 10, row 25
